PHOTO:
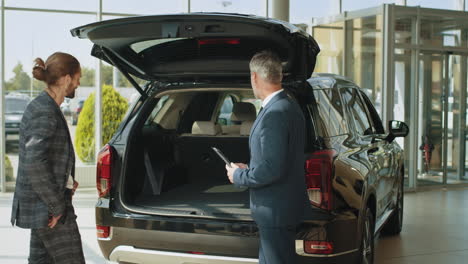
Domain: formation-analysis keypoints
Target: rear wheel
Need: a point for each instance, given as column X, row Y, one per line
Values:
column 366, row 255
column 394, row 224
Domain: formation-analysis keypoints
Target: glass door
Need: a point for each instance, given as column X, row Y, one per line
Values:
column 442, row 90
column 431, row 117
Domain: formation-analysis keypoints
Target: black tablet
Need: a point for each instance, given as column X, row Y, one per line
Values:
column 221, row 155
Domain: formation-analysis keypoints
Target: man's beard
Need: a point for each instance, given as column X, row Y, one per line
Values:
column 71, row 95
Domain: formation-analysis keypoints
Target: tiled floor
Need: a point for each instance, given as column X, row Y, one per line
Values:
column 435, row 230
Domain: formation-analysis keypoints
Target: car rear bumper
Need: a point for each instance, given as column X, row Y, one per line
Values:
column 140, row 240
column 143, row 256
column 135, row 255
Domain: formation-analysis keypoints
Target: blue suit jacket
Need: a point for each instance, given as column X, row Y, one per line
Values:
column 276, row 176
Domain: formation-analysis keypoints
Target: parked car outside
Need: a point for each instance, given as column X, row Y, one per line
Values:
column 163, row 193
column 65, row 108
column 76, row 112
column 15, row 104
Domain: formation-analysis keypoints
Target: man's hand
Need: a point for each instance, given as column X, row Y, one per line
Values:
column 75, row 186
column 230, row 171
column 53, row 221
column 242, row 165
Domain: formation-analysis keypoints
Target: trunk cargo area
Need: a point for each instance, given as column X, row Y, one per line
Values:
column 173, row 174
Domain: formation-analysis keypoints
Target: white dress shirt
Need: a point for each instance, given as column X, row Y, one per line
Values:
column 269, row 97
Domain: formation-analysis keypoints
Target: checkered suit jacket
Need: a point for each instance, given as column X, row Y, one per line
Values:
column 46, row 157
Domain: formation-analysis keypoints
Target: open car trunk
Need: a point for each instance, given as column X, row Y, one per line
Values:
column 181, row 175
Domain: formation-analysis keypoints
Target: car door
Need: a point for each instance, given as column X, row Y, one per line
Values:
column 372, row 152
column 390, row 166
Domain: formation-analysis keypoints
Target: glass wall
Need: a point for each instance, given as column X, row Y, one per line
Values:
column 364, row 38
column 423, row 79
column 330, row 38
column 30, row 35
column 145, row 7
column 72, row 5
column 401, row 96
column 253, row 7
column 440, row 31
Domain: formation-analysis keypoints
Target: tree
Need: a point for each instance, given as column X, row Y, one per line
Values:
column 21, row 80
column 114, row 107
column 88, row 75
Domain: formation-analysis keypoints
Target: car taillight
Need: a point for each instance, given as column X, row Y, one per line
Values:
column 104, row 174
column 229, row 41
column 318, row 247
column 103, row 231
column 318, row 178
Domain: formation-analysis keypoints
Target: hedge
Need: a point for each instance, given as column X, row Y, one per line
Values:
column 114, row 107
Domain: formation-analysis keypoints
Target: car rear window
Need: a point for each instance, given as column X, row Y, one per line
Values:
column 330, row 116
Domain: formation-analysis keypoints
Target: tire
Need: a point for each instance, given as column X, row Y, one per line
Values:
column 367, row 249
column 394, row 224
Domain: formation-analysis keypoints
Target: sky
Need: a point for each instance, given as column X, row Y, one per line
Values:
column 38, row 34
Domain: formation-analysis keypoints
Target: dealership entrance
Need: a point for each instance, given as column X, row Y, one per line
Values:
column 412, row 62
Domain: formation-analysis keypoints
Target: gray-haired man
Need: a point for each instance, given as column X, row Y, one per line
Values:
column 275, row 176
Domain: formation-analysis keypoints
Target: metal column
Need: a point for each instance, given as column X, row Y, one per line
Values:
column 462, row 121
column 445, row 108
column 280, row 10
column 2, row 97
column 388, row 65
column 98, row 96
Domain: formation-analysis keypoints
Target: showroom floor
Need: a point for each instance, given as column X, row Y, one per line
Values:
column 435, row 230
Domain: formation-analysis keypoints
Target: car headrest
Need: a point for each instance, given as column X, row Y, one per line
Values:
column 205, row 128
column 243, row 111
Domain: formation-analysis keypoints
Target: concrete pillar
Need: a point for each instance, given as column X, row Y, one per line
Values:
column 98, row 96
column 2, row 97
column 280, row 10
column 460, row 5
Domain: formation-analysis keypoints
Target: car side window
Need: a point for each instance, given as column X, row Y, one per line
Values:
column 356, row 110
column 378, row 127
column 330, row 117
column 152, row 118
column 224, row 117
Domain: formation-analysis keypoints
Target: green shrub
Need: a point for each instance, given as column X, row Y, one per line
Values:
column 8, row 170
column 114, row 107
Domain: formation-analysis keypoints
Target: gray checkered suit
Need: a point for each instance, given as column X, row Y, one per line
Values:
column 46, row 158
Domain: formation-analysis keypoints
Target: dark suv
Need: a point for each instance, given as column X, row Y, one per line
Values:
column 15, row 104
column 163, row 193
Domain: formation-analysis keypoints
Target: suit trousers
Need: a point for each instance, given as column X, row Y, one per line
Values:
column 277, row 245
column 58, row 245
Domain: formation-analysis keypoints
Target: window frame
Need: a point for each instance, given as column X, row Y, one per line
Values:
column 351, row 114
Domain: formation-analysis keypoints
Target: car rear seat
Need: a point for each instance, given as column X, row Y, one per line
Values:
column 245, row 113
column 194, row 153
column 205, row 128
